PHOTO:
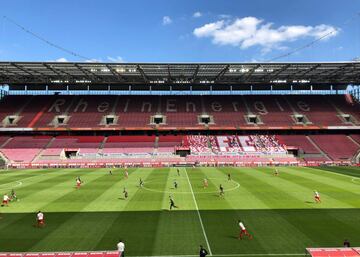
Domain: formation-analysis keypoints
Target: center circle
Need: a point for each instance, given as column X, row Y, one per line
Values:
column 235, row 185
column 14, row 183
column 356, row 181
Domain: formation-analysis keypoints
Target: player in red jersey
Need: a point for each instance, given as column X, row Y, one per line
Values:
column 40, row 219
column 243, row 231
column 6, row 200
column 78, row 183
column 317, row 197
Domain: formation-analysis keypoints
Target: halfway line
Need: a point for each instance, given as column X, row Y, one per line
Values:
column 198, row 212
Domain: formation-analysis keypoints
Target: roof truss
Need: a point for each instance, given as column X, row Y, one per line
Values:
column 42, row 73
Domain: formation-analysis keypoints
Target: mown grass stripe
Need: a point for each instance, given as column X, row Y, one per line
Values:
column 199, row 215
column 258, row 223
column 349, row 171
column 79, row 221
column 338, row 180
column 341, row 195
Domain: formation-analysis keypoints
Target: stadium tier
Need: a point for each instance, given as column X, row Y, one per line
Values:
column 180, row 112
column 171, row 149
column 183, row 114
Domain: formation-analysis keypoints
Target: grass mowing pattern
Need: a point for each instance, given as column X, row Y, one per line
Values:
column 278, row 211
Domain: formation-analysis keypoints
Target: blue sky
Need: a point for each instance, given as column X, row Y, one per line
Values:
column 181, row 31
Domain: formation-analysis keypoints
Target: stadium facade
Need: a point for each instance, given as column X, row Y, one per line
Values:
column 156, row 114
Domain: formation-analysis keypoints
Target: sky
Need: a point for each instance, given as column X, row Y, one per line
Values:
column 180, row 31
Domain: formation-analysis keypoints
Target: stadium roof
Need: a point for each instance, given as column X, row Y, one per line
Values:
column 70, row 73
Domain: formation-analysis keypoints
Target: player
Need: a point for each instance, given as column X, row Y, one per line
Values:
column 222, row 193
column 206, row 183
column 175, row 184
column 78, row 183
column 317, row 197
column 141, row 183
column 172, row 203
column 178, row 172
column 13, row 196
column 229, row 177
column 5, row 201
column 276, row 173
column 203, row 252
column 126, row 174
column 40, row 219
column 110, row 172
column 126, row 194
column 243, row 231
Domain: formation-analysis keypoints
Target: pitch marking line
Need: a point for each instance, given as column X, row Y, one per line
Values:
column 237, row 185
column 356, row 181
column 18, row 184
column 198, row 212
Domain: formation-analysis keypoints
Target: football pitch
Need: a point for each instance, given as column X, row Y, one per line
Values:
column 279, row 211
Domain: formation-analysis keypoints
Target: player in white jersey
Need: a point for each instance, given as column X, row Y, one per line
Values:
column 206, row 183
column 6, row 200
column 40, row 219
column 317, row 197
column 121, row 248
column 243, row 231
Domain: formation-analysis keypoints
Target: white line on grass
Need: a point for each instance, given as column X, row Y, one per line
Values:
column 198, row 212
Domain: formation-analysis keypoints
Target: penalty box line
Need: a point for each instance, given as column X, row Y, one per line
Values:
column 198, row 212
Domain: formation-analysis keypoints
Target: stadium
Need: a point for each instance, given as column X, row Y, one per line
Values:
column 231, row 158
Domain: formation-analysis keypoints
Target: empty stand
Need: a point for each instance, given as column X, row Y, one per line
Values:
column 178, row 111
column 317, row 109
column 168, row 143
column 298, row 142
column 24, row 149
column 274, row 111
column 129, row 144
column 181, row 111
column 337, row 147
column 226, row 110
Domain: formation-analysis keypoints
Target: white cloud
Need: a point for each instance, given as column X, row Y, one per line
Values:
column 94, row 60
column 166, row 20
column 116, row 59
column 197, row 14
column 61, row 59
column 225, row 16
column 250, row 31
column 208, row 29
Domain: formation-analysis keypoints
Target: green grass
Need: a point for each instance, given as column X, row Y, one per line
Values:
column 278, row 211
